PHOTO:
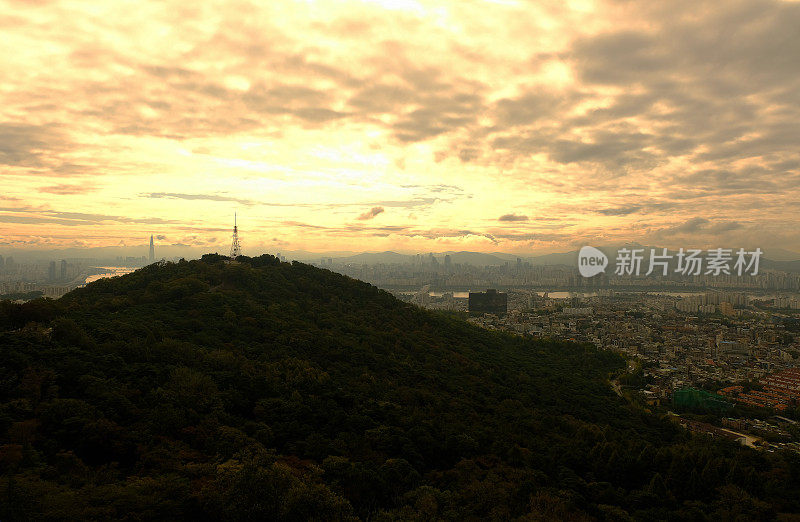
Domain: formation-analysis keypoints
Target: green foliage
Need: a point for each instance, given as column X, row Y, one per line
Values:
column 634, row 378
column 692, row 399
column 262, row 390
column 21, row 296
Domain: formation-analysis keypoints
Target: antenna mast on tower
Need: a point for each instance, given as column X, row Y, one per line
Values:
column 236, row 248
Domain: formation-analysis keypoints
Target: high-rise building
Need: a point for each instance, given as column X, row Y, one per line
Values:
column 2, row 262
column 152, row 249
column 51, row 272
column 63, row 269
column 726, row 308
column 491, row 302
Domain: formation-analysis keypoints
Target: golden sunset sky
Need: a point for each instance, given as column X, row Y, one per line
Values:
column 505, row 125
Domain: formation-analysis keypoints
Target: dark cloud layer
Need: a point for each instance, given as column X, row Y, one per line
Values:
column 512, row 217
column 698, row 226
column 34, row 146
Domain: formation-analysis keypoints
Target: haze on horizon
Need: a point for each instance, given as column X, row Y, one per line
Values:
column 503, row 125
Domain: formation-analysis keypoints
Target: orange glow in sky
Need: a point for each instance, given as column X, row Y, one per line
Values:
column 506, row 125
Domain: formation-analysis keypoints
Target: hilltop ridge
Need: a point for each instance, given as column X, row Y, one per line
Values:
column 262, row 390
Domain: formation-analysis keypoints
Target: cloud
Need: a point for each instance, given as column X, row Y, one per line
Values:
column 38, row 216
column 620, row 211
column 202, row 197
column 445, row 233
column 371, row 213
column 305, row 225
column 26, row 145
column 96, row 218
column 720, row 228
column 409, row 203
column 38, row 220
column 699, row 225
column 532, row 237
column 67, row 190
column 647, row 110
column 512, row 217
column 682, row 90
column 691, row 226
column 468, row 154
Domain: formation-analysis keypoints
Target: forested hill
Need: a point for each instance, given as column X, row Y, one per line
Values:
column 265, row 390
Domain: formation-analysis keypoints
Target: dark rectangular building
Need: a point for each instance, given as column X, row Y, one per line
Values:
column 489, row 302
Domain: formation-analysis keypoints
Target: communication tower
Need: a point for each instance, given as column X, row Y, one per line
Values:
column 236, row 248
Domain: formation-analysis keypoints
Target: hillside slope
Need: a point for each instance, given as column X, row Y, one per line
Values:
column 266, row 390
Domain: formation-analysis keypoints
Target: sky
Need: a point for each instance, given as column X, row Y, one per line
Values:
column 504, row 125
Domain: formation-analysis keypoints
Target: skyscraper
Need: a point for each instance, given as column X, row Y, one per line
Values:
column 491, row 302
column 63, row 269
column 51, row 272
column 152, row 250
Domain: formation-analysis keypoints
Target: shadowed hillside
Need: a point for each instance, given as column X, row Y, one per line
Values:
column 265, row 390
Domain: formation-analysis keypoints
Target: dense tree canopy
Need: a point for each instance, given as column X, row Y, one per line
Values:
column 267, row 390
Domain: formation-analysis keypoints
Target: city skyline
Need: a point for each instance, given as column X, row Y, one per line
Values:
column 503, row 126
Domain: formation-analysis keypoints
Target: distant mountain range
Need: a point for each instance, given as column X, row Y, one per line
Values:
column 465, row 258
column 778, row 259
